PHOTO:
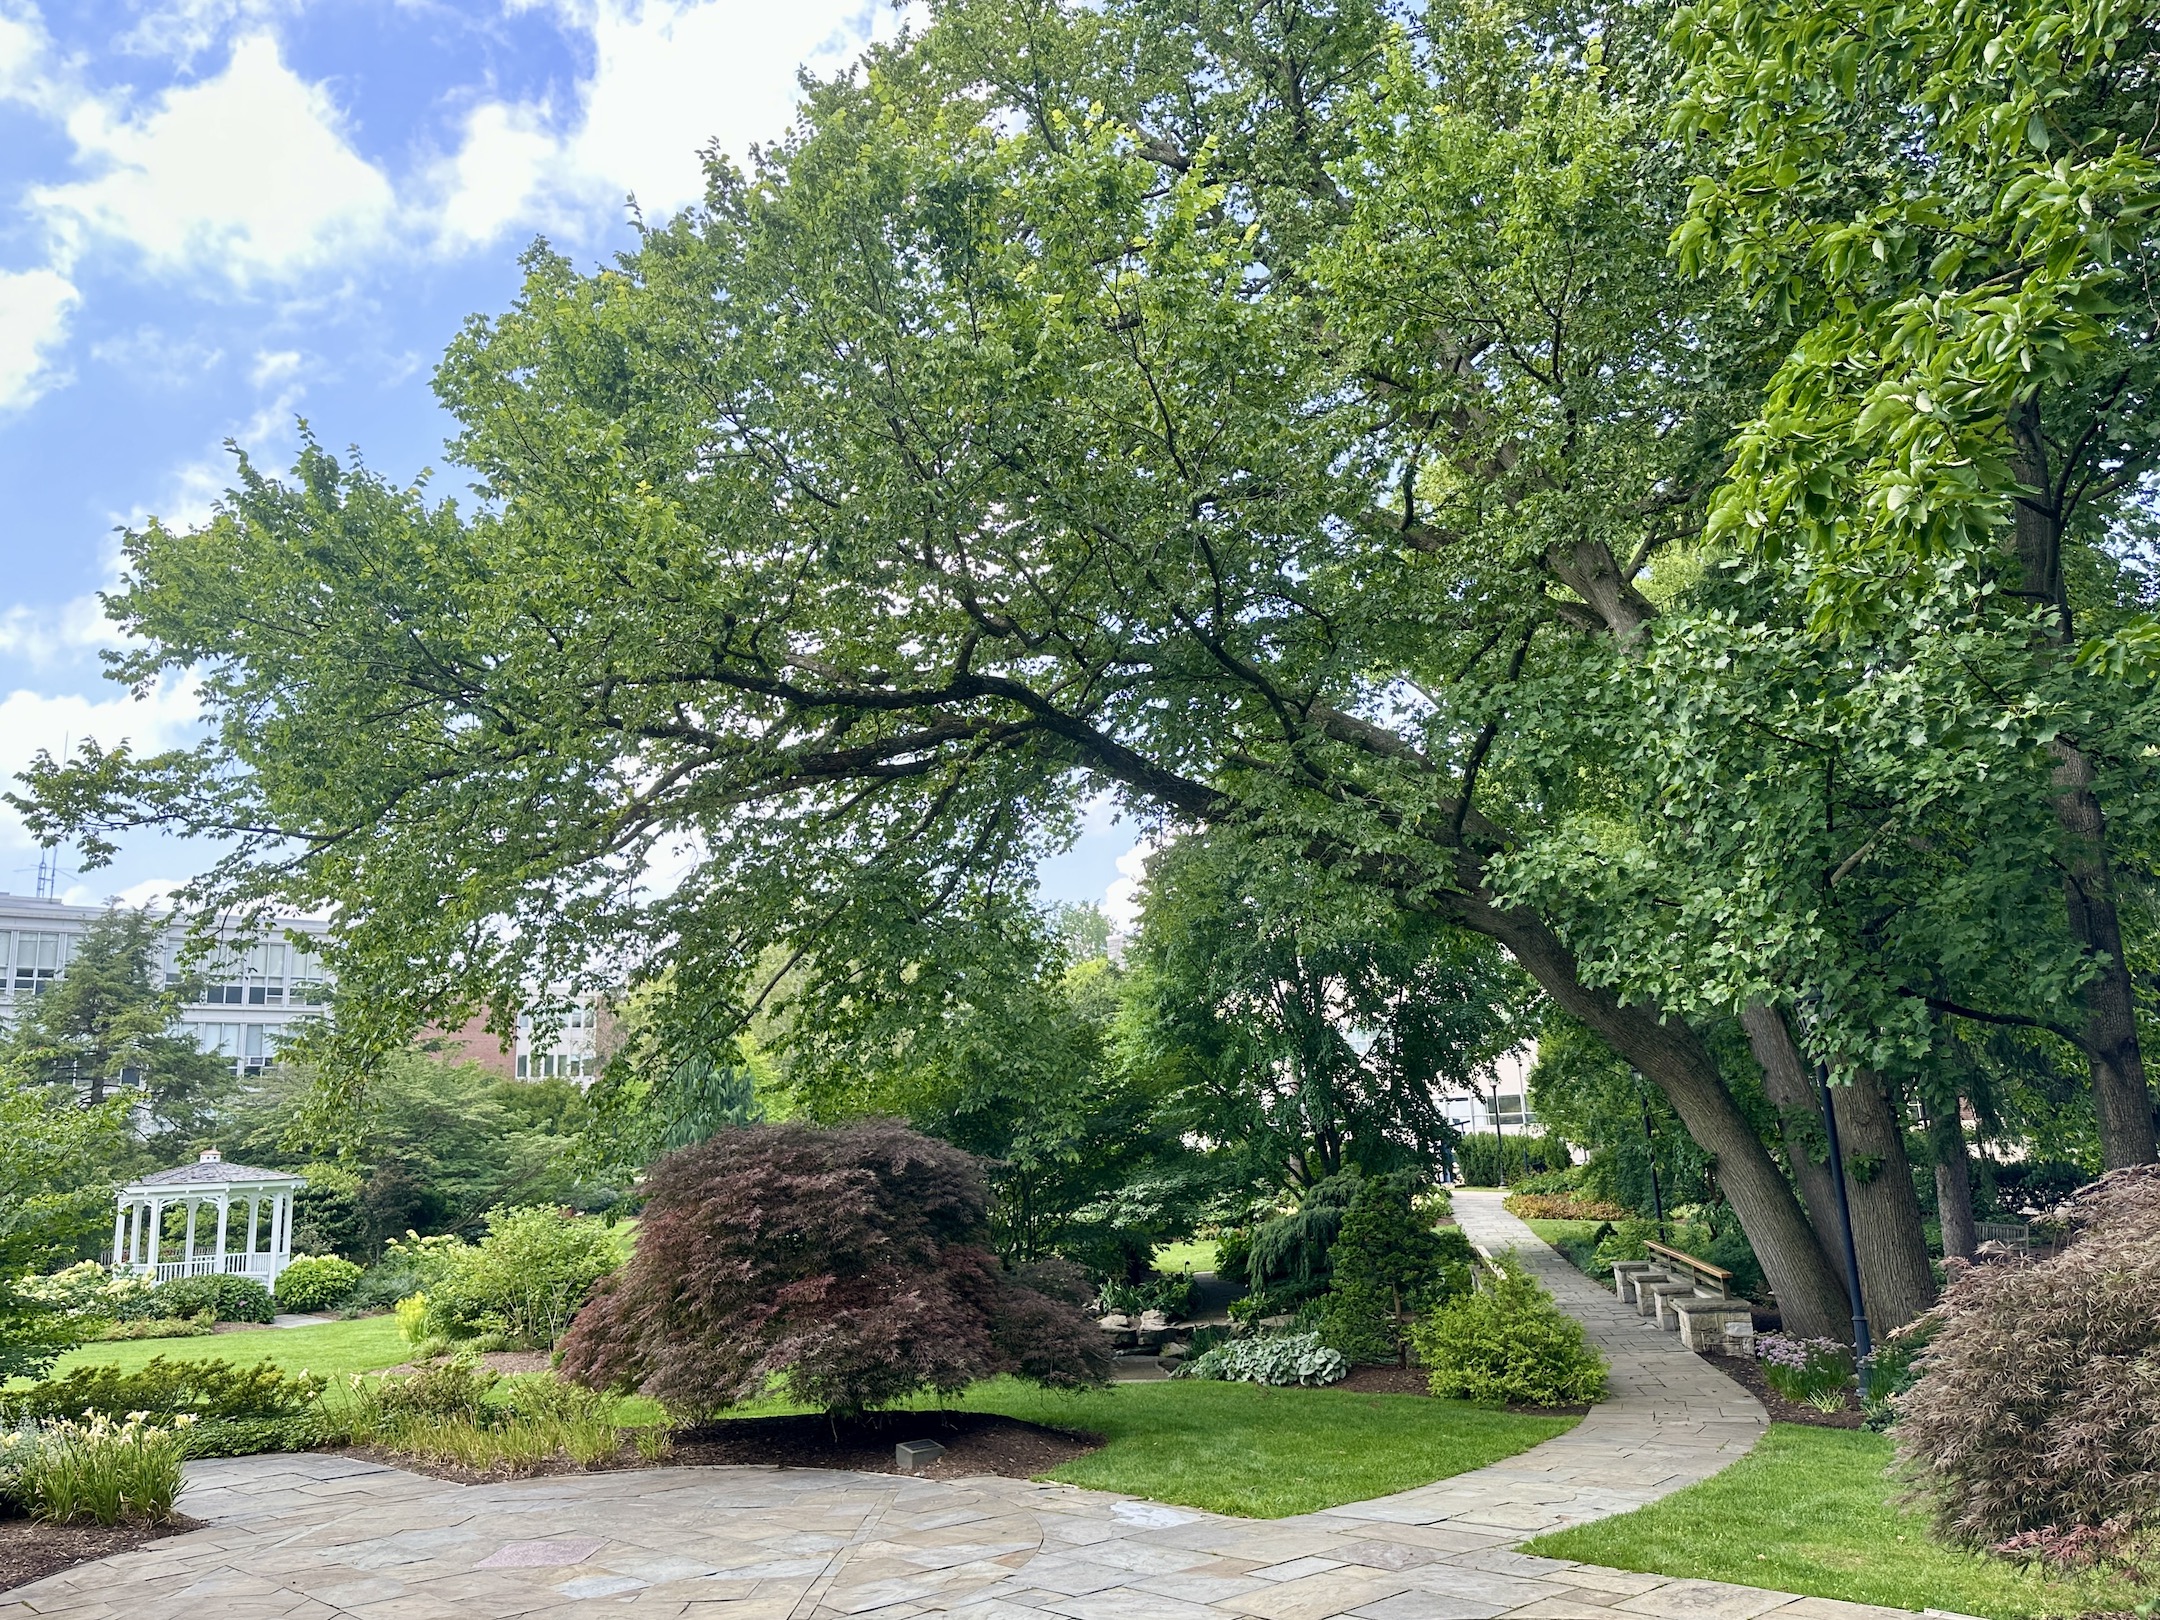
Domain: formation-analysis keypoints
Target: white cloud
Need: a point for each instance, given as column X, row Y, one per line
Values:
column 274, row 366
column 29, row 721
column 248, row 173
column 43, row 636
column 669, row 78
column 492, row 182
column 1121, row 901
column 156, row 892
column 150, row 355
column 35, row 306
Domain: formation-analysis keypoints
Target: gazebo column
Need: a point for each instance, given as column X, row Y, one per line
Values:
column 192, row 1206
column 157, row 1232
column 254, row 1205
column 224, row 1207
column 119, row 1234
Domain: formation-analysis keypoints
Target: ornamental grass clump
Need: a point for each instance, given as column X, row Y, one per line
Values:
column 1509, row 1344
column 854, row 1264
column 2037, row 1405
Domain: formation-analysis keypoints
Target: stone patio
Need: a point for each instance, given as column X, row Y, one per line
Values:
column 316, row 1537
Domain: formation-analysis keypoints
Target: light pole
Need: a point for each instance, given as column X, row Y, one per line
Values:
column 1862, row 1347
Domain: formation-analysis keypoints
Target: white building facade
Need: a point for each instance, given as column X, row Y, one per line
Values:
column 247, row 997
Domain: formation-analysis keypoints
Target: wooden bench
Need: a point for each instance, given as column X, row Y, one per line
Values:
column 1680, row 1266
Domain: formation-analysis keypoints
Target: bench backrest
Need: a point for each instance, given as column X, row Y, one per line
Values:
column 1701, row 1269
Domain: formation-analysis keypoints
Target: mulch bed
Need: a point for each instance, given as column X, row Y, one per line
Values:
column 975, row 1443
column 1748, row 1375
column 30, row 1551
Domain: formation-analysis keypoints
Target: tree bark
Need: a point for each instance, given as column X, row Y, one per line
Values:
column 1953, row 1184
column 2122, row 1099
column 1673, row 1058
column 1889, row 1234
column 1791, row 1090
column 1896, row 1281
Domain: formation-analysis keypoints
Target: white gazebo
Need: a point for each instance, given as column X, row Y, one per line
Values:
column 206, row 1186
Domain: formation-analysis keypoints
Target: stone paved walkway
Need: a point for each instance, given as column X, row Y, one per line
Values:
column 318, row 1537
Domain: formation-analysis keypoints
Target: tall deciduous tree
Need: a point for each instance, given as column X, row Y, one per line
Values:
column 1288, row 417
column 1952, row 212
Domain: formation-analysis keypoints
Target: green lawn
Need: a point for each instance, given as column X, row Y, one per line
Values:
column 1264, row 1453
column 366, row 1344
column 1809, row 1511
column 1172, row 1258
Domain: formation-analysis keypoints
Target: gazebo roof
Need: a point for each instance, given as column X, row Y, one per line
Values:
column 211, row 1170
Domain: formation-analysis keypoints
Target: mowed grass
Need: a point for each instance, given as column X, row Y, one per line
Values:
column 1173, row 1258
column 1263, row 1453
column 1810, row 1511
column 365, row 1344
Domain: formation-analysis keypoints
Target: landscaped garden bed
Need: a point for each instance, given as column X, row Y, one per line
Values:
column 31, row 1549
column 1748, row 1375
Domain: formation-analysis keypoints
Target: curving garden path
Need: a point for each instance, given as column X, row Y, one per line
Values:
column 317, row 1537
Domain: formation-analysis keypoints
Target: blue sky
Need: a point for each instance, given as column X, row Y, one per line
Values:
column 219, row 215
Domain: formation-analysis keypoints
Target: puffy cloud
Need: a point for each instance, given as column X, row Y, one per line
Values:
column 35, row 306
column 248, row 173
column 167, row 717
column 44, row 636
column 669, row 78
column 1121, row 901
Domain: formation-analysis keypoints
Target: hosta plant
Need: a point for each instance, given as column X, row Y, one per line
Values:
column 1293, row 1358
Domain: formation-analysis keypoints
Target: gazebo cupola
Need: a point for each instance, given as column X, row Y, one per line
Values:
column 232, row 1198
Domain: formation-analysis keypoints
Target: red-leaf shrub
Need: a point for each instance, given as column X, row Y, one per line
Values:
column 2038, row 1402
column 853, row 1261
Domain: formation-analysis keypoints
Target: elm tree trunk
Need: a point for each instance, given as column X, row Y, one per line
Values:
column 1790, row 1086
column 1953, row 1185
column 1673, row 1058
column 1896, row 1280
column 2122, row 1100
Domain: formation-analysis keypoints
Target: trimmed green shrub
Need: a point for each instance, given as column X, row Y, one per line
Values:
column 317, row 1282
column 205, row 1390
column 159, row 1327
column 524, row 1281
column 228, row 1298
column 1480, row 1161
column 1508, row 1343
column 1292, row 1358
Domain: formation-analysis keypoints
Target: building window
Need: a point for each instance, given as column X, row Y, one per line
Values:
column 38, row 958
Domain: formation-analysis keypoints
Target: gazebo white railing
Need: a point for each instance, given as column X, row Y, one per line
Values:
column 209, row 1186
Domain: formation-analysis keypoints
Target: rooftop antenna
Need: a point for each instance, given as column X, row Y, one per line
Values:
column 48, row 866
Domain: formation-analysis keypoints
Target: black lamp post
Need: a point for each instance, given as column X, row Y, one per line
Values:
column 1862, row 1346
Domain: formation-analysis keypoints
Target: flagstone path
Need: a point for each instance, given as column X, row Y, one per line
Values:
column 316, row 1537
